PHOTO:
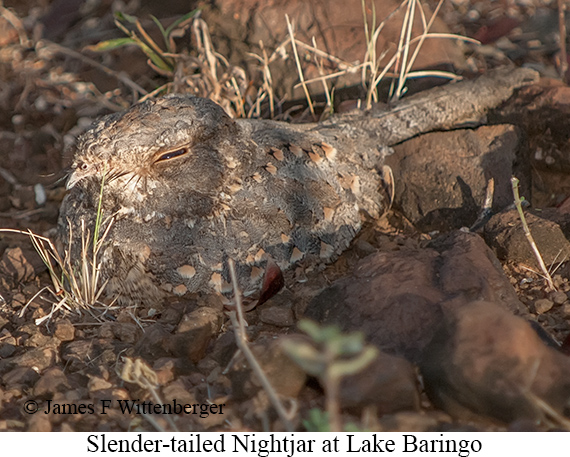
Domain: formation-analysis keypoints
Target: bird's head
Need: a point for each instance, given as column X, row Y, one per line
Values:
column 157, row 153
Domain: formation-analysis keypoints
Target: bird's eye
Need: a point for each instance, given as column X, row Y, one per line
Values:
column 83, row 166
column 172, row 154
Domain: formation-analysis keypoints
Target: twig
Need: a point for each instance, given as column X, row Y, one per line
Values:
column 486, row 211
column 241, row 341
column 118, row 75
column 518, row 204
column 562, row 31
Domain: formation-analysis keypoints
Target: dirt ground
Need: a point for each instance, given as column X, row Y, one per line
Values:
column 53, row 84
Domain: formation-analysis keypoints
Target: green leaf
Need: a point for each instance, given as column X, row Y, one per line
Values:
column 159, row 25
column 180, row 20
column 109, row 45
column 154, row 57
column 318, row 421
column 346, row 345
column 306, row 356
column 126, row 17
column 320, row 335
column 343, row 368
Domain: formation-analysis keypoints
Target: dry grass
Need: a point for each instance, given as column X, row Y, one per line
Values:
column 207, row 73
column 75, row 285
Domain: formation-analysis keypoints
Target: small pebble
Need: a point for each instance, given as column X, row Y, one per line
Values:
column 64, row 330
column 566, row 310
column 542, row 305
column 558, row 297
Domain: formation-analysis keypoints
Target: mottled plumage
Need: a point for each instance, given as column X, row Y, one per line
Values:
column 187, row 188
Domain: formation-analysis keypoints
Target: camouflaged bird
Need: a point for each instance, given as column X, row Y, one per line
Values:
column 185, row 187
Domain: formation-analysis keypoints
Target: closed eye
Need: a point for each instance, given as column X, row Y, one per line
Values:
column 172, row 154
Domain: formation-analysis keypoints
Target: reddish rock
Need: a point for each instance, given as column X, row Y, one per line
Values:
column 336, row 25
column 283, row 374
column 485, row 361
column 39, row 423
column 395, row 297
column 438, row 188
column 165, row 369
column 194, row 333
column 16, row 266
column 505, row 234
column 390, row 383
column 20, row 376
column 38, row 358
column 279, row 316
column 128, row 332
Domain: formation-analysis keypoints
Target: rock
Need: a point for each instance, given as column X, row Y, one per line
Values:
column 543, row 112
column 284, row 375
column 64, row 330
column 153, row 343
column 7, row 350
column 178, row 391
column 38, row 358
column 165, row 369
column 485, row 361
column 558, row 297
column 279, row 316
column 438, row 188
column 395, row 297
column 39, row 423
column 389, row 383
column 98, row 383
column 413, row 422
column 504, row 233
column 542, row 305
column 52, row 381
column 16, row 266
column 103, row 350
column 3, row 321
column 128, row 332
column 20, row 375
column 244, row 23
column 194, row 333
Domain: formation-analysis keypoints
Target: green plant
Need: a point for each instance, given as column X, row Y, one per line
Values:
column 161, row 60
column 329, row 355
column 518, row 200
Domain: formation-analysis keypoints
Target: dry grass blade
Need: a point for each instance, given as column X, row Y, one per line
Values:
column 266, row 90
column 401, row 62
column 299, row 69
column 15, row 22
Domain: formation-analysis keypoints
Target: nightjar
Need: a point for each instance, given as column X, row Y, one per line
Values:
column 185, row 187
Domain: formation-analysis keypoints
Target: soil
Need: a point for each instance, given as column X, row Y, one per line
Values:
column 52, row 353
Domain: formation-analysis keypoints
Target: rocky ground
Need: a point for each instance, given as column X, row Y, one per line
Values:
column 468, row 334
